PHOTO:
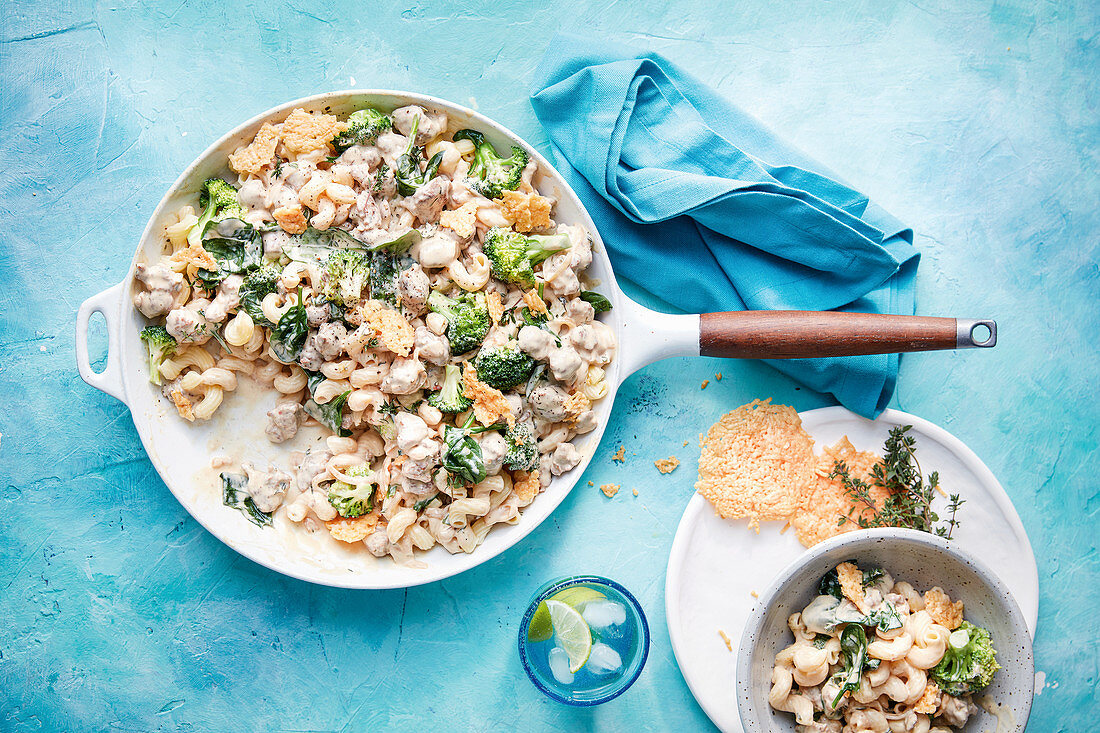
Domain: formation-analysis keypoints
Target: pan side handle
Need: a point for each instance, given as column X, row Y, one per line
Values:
column 106, row 303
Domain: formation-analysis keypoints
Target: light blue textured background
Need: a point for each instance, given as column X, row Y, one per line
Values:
column 975, row 122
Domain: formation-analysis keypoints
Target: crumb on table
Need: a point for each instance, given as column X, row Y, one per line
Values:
column 635, row 492
column 718, row 377
column 704, row 384
column 620, row 455
column 591, row 483
column 754, row 594
column 667, row 465
column 726, row 639
column 609, row 490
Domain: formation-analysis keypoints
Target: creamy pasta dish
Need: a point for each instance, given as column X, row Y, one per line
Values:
column 871, row 654
column 402, row 285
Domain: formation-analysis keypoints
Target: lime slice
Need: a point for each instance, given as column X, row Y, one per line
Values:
column 540, row 628
column 578, row 595
column 571, row 633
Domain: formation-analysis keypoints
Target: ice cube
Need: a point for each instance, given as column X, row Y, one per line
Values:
column 559, row 666
column 603, row 660
column 601, row 614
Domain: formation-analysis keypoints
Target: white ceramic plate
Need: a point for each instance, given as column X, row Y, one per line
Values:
column 715, row 564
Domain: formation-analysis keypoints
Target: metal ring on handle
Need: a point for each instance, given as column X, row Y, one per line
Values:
column 965, row 333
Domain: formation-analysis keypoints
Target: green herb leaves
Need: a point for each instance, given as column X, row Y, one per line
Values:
column 909, row 503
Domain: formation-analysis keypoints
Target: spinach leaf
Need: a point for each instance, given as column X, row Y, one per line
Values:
column 597, row 301
column 533, row 381
column 289, row 334
column 462, row 456
column 330, row 414
column 829, row 585
column 872, row 576
column 331, row 238
column 407, row 168
column 235, row 494
column 820, row 640
column 314, row 246
column 853, row 658
column 885, row 617
column 313, row 380
column 251, row 298
column 235, row 253
column 400, row 245
column 423, row 503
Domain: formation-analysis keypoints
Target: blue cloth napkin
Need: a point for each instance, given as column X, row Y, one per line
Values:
column 700, row 204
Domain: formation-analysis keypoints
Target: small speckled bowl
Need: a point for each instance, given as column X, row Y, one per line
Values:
column 925, row 561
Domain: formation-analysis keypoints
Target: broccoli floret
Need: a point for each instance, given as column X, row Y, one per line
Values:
column 449, row 398
column 353, row 500
column 218, row 200
column 364, row 127
column 503, row 367
column 523, row 454
column 467, row 319
column 491, row 174
column 159, row 345
column 969, row 662
column 513, row 255
column 347, row 272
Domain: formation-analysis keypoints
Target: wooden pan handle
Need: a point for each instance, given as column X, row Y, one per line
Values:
column 811, row 334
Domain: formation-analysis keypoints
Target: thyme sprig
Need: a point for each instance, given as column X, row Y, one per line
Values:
column 909, row 500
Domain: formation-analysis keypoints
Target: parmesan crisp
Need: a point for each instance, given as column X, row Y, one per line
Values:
column 462, row 221
column 754, row 462
column 667, row 465
column 489, row 403
column 929, row 702
column 609, row 490
column 851, row 585
column 525, row 211
column 352, row 529
column 260, row 152
column 394, row 332
column 939, row 606
column 822, row 501
column 526, row 485
column 495, row 307
column 304, row 132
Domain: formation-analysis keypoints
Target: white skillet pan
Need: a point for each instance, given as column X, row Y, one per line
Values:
column 182, row 451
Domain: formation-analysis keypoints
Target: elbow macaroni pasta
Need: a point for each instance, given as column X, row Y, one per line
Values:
column 894, row 691
column 380, row 343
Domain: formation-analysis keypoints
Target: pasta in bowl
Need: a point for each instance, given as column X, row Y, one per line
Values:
column 228, row 388
column 885, row 630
